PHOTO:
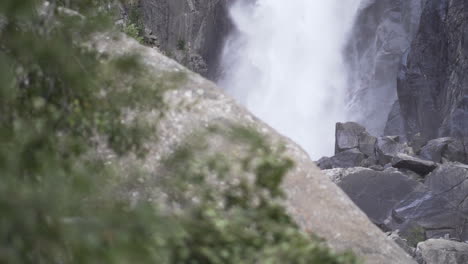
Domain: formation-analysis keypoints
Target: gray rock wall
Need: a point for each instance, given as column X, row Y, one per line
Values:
column 190, row 31
column 382, row 34
column 432, row 88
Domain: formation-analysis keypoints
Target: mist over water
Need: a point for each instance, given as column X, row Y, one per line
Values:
column 285, row 64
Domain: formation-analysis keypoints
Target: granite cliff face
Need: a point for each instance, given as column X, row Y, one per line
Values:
column 432, row 88
column 190, row 31
column 382, row 33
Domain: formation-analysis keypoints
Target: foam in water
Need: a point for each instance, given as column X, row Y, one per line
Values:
column 285, row 64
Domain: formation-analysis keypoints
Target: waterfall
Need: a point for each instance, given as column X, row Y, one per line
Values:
column 285, row 63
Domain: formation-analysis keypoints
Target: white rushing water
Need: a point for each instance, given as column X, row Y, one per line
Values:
column 285, row 64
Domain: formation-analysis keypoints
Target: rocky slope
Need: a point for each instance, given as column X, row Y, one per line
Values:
column 418, row 194
column 314, row 201
column 190, row 31
column 432, row 88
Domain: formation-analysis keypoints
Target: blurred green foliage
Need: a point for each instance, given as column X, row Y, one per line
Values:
column 134, row 26
column 132, row 31
column 59, row 100
column 181, row 45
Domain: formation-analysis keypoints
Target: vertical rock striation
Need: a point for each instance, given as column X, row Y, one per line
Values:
column 382, row 34
column 432, row 88
column 191, row 31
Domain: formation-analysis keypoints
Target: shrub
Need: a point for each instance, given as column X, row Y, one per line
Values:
column 132, row 31
column 181, row 44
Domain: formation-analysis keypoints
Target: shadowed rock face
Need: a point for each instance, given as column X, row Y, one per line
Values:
column 382, row 34
column 200, row 25
column 375, row 192
column 421, row 167
column 432, row 84
column 395, row 125
column 441, row 149
column 440, row 209
column 313, row 200
column 417, row 196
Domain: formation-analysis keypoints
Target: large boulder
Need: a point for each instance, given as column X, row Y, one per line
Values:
column 313, row 200
column 354, row 136
column 347, row 136
column 348, row 159
column 444, row 149
column 434, row 148
column 455, row 152
column 375, row 192
column 388, row 147
column 439, row 210
column 404, row 161
column 435, row 251
column 367, row 145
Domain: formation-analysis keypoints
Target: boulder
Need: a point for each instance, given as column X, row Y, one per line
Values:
column 438, row 210
column 347, row 136
column 369, row 162
column 404, row 161
column 367, row 144
column 434, row 149
column 377, row 168
column 346, row 159
column 418, row 142
column 388, row 147
column 317, row 204
column 435, row 251
column 455, row 152
column 325, row 163
column 375, row 192
column 403, row 243
column 451, row 181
